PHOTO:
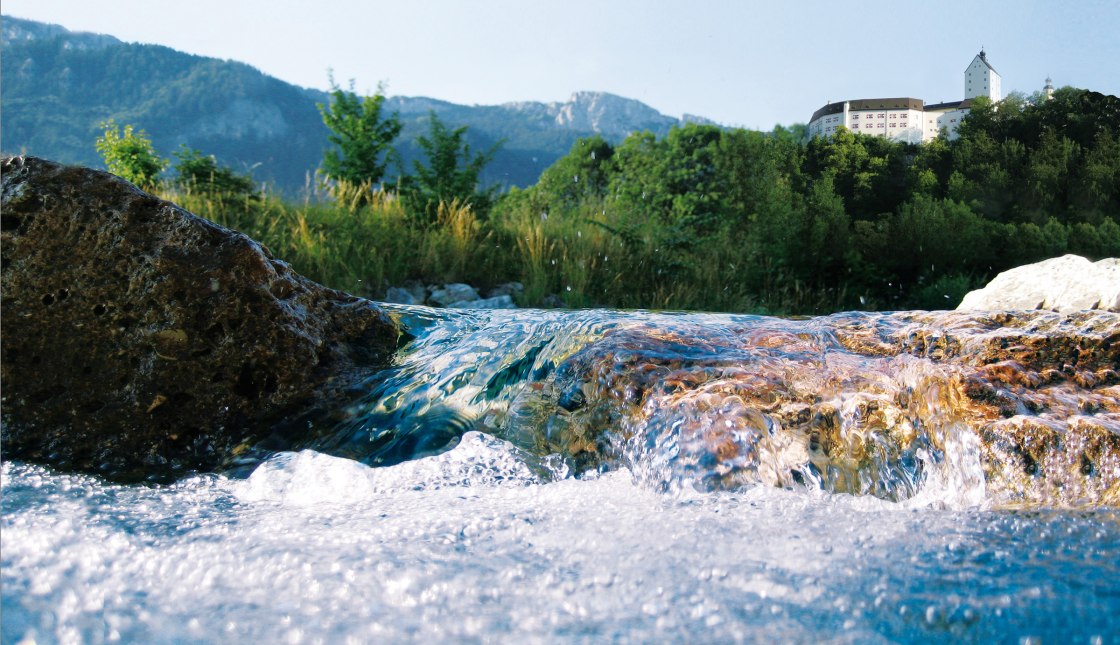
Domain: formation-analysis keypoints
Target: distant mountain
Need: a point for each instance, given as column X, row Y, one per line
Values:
column 57, row 86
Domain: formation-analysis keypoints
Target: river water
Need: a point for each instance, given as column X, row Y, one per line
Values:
column 431, row 513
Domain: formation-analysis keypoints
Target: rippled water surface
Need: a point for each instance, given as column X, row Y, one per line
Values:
column 470, row 531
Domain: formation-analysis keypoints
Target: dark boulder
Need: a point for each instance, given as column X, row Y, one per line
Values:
column 141, row 341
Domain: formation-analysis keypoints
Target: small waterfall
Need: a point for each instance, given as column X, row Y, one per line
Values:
column 942, row 408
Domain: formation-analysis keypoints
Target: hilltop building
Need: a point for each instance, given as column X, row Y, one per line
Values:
column 909, row 119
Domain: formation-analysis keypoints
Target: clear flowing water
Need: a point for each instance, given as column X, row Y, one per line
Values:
column 438, row 515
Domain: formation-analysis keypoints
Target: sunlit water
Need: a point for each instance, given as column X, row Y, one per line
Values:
column 462, row 536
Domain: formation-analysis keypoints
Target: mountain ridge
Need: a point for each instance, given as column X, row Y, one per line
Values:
column 59, row 85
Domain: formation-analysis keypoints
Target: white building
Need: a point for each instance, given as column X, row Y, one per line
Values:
column 981, row 79
column 908, row 119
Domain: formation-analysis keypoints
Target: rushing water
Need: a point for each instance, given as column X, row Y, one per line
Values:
column 496, row 513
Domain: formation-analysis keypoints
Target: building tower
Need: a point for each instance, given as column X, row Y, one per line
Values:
column 1048, row 91
column 981, row 79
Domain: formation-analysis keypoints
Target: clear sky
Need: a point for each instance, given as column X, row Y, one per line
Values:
column 739, row 62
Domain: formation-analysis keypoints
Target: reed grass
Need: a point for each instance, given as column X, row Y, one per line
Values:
column 363, row 240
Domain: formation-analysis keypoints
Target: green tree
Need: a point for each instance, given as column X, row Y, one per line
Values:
column 451, row 173
column 360, row 135
column 583, row 173
column 674, row 180
column 931, row 237
column 202, row 173
column 826, row 235
column 130, row 155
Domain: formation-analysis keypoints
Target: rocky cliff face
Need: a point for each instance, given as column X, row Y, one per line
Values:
column 612, row 116
column 15, row 30
column 140, row 340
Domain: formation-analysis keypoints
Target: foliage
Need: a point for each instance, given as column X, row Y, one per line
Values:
column 710, row 218
column 202, row 173
column 451, row 174
column 721, row 220
column 364, row 248
column 583, row 173
column 129, row 154
column 361, row 137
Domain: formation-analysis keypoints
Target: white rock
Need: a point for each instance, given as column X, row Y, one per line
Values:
column 1068, row 283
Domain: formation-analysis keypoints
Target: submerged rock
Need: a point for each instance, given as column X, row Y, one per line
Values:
column 1020, row 407
column 140, row 340
column 1068, row 283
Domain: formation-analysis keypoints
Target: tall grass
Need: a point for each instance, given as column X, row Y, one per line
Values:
column 363, row 240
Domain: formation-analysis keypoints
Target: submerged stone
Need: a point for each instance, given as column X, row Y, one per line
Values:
column 1019, row 407
column 142, row 341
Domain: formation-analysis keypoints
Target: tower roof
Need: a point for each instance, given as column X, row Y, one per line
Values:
column 983, row 56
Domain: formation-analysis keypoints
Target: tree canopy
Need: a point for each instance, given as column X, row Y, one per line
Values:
column 451, row 172
column 129, row 154
column 360, row 136
column 859, row 221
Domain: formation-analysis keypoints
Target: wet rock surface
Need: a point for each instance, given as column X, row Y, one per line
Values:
column 142, row 341
column 874, row 404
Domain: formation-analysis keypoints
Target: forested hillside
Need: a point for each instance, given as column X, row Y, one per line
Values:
column 58, row 86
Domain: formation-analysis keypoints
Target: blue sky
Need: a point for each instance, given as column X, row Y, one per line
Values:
column 742, row 63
